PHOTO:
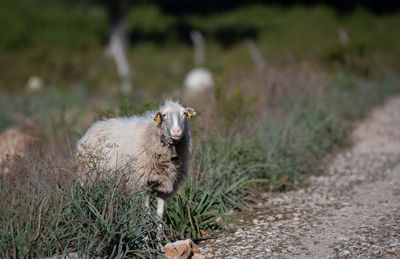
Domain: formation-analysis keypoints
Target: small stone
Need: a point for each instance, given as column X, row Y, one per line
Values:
column 218, row 221
column 180, row 249
column 271, row 218
column 267, row 204
column 198, row 256
column 230, row 227
column 255, row 221
column 344, row 254
column 296, row 219
column 209, row 255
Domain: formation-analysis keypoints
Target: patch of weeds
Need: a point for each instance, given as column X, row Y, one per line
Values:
column 295, row 143
column 219, row 183
column 312, row 127
column 357, row 99
column 45, row 211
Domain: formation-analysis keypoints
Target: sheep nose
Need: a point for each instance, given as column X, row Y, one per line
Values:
column 176, row 131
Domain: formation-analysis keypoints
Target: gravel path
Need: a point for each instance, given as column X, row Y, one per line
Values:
column 351, row 211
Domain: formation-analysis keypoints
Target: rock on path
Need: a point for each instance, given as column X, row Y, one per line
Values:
column 351, row 211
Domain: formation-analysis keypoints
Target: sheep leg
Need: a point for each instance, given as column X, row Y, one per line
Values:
column 160, row 213
column 160, row 207
column 147, row 201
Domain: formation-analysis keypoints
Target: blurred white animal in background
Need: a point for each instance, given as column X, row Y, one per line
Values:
column 199, row 79
column 34, row 84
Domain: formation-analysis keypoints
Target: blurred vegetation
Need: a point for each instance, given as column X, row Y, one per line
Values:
column 68, row 42
column 262, row 131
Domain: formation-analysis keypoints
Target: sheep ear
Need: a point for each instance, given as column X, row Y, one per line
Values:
column 190, row 112
column 157, row 117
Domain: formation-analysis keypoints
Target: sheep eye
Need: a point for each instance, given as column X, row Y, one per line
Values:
column 164, row 115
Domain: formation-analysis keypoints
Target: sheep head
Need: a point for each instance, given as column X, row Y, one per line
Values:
column 173, row 119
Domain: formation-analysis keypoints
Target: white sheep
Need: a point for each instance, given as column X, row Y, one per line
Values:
column 199, row 80
column 154, row 148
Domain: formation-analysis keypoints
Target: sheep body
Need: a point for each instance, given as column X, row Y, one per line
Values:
column 136, row 144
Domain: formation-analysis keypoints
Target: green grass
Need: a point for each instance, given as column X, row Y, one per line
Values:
column 44, row 211
column 218, row 184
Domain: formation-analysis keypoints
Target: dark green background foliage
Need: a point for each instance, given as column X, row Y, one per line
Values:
column 68, row 41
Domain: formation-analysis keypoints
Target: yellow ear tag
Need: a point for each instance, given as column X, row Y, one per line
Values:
column 189, row 114
column 158, row 119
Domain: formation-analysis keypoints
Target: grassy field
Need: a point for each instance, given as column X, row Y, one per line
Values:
column 258, row 132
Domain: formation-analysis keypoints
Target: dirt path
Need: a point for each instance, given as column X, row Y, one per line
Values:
column 351, row 211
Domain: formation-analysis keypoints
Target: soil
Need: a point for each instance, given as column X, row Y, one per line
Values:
column 352, row 210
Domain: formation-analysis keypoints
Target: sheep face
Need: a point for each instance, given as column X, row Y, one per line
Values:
column 173, row 119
